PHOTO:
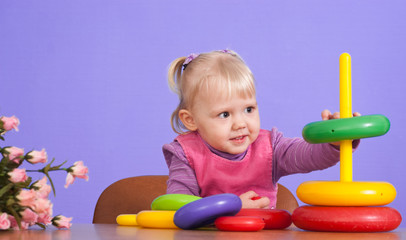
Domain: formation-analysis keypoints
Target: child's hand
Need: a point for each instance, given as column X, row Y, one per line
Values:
column 326, row 115
column 248, row 202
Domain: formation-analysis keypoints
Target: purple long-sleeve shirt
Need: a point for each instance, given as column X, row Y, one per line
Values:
column 290, row 156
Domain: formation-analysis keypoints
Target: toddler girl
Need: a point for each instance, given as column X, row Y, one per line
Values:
column 220, row 147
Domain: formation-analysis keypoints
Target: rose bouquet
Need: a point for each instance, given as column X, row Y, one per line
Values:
column 24, row 202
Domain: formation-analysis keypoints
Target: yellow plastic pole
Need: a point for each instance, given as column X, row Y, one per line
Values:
column 345, row 112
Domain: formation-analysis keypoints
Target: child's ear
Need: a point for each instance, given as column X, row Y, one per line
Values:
column 187, row 119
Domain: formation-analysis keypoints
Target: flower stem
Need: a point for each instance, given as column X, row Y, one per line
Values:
column 49, row 170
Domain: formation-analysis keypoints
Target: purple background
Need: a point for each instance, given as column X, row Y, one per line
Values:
column 88, row 79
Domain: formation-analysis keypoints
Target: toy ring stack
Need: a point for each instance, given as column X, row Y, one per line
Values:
column 348, row 205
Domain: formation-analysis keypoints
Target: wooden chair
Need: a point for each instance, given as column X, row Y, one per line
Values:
column 134, row 194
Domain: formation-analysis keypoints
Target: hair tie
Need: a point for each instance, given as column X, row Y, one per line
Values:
column 227, row 51
column 189, row 59
column 195, row 55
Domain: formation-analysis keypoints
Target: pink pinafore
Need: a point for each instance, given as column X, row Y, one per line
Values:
column 217, row 175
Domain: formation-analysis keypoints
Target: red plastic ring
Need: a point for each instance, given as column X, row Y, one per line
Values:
column 273, row 218
column 346, row 219
column 240, row 224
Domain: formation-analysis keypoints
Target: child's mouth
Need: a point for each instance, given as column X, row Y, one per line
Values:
column 239, row 139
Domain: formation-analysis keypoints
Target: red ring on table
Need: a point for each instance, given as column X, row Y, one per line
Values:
column 273, row 218
column 240, row 223
column 346, row 219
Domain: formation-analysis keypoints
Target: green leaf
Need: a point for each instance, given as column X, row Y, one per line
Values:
column 47, row 167
column 58, row 166
column 24, row 184
column 6, row 188
column 52, row 184
column 41, row 225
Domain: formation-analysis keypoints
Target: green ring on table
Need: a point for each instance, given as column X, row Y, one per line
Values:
column 172, row 201
column 346, row 129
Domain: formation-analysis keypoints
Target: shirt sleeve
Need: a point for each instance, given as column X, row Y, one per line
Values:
column 182, row 178
column 295, row 155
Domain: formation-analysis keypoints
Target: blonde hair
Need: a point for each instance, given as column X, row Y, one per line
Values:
column 217, row 70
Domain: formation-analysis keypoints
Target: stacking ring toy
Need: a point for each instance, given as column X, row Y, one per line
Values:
column 335, row 193
column 156, row 219
column 239, row 224
column 172, row 201
column 205, row 211
column 127, row 219
column 346, row 219
column 273, row 218
column 346, row 192
column 335, row 130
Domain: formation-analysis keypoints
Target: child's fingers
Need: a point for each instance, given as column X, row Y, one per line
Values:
column 263, row 202
column 248, row 195
column 325, row 114
column 336, row 115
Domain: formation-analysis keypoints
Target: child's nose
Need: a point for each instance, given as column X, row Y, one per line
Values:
column 239, row 123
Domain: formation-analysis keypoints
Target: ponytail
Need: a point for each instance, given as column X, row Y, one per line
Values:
column 174, row 82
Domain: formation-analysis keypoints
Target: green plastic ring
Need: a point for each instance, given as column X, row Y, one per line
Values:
column 346, row 129
column 172, row 201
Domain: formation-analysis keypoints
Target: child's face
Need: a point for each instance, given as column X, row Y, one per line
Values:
column 227, row 124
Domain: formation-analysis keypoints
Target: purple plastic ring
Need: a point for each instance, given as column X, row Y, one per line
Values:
column 205, row 211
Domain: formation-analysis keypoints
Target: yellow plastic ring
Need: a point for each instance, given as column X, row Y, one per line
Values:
column 335, row 193
column 127, row 219
column 156, row 219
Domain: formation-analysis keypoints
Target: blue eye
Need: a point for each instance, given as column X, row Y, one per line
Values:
column 249, row 109
column 224, row 115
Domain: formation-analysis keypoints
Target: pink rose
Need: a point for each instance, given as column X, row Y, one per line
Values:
column 69, row 180
column 14, row 224
column 17, row 175
column 9, row 123
column 43, row 189
column 29, row 216
column 14, row 154
column 4, row 221
column 45, row 218
column 62, row 222
column 43, row 207
column 26, row 198
column 37, row 156
column 78, row 170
